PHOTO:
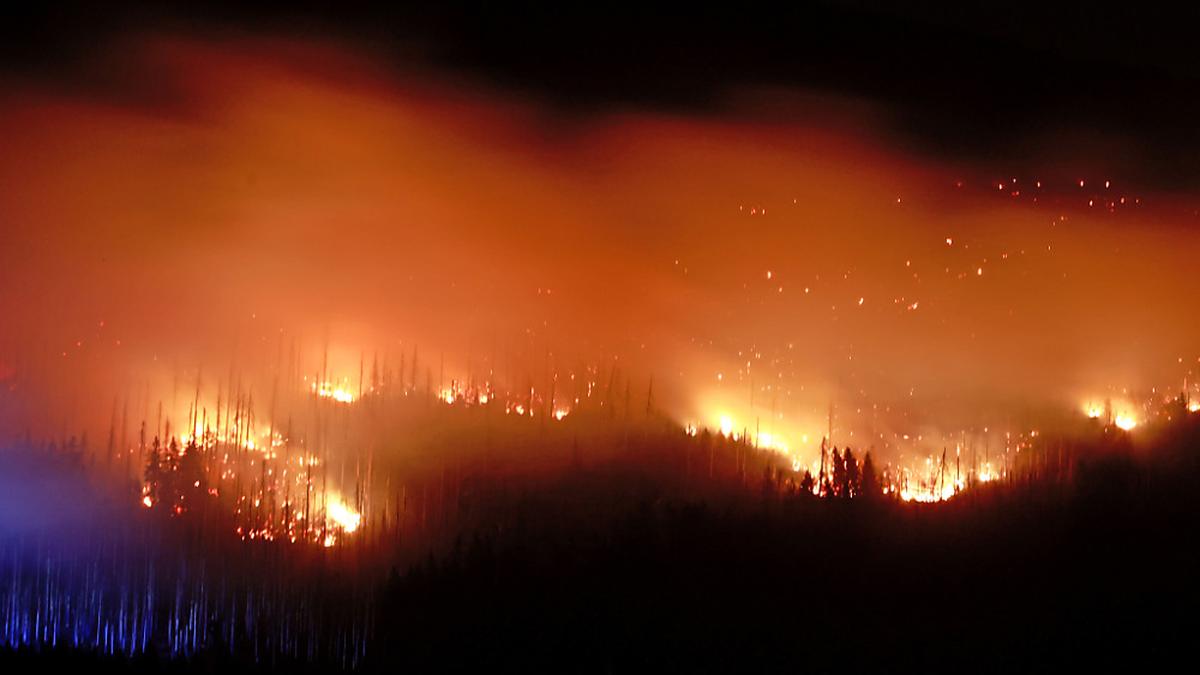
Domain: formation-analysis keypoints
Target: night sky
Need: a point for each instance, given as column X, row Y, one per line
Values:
column 999, row 82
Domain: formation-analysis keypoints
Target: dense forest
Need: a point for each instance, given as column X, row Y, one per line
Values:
column 619, row 564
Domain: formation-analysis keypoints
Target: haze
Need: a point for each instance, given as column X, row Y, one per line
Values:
column 205, row 206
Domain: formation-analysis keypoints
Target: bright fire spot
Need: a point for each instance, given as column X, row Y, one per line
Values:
column 561, row 413
column 772, row 442
column 1194, row 406
column 1125, row 422
column 447, row 396
column 726, row 425
column 1093, row 411
column 147, row 502
column 928, row 495
column 987, row 474
column 346, row 518
column 338, row 394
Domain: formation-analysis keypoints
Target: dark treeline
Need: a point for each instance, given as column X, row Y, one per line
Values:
column 1014, row 577
column 644, row 547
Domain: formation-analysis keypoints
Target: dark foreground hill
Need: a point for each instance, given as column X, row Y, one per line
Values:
column 1098, row 572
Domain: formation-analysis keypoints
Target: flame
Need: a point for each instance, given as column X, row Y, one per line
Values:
column 726, row 425
column 770, row 441
column 929, row 494
column 345, row 517
column 1125, row 421
column 329, row 390
column 1123, row 418
column 987, row 474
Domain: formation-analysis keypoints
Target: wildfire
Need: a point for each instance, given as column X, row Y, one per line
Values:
column 1122, row 418
column 927, row 495
column 987, row 474
column 772, row 442
column 526, row 404
column 266, row 479
column 267, row 444
column 345, row 517
column 726, row 425
column 331, row 391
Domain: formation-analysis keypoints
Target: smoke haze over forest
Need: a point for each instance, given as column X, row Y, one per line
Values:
column 210, row 204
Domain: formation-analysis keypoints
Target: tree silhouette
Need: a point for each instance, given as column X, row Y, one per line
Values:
column 853, row 485
column 807, row 483
column 838, row 488
column 154, row 473
column 190, row 483
column 870, row 480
